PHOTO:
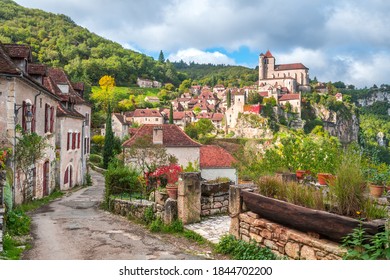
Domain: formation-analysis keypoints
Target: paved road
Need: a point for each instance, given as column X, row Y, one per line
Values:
column 74, row 227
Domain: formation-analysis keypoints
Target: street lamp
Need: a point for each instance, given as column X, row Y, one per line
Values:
column 28, row 116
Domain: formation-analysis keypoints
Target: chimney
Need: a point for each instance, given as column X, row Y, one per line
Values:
column 158, row 135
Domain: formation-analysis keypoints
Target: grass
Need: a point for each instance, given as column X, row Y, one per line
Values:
column 241, row 250
column 18, row 224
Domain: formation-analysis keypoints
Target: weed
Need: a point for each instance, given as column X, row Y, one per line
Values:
column 241, row 250
column 149, row 215
column 88, row 179
column 12, row 251
column 191, row 235
column 18, row 223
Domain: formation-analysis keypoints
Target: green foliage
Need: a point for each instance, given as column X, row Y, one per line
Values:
column 254, row 98
column 241, row 250
column 96, row 159
column 170, row 114
column 18, row 223
column 37, row 203
column 192, row 167
column 149, row 215
column 161, row 57
column 121, row 179
column 158, row 226
column 7, row 192
column 88, row 180
column 362, row 247
column 57, row 41
column 194, row 236
column 12, row 251
column 229, row 98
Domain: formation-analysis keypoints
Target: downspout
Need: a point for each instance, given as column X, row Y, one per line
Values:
column 83, row 163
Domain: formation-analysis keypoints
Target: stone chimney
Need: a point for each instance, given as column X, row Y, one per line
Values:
column 158, row 135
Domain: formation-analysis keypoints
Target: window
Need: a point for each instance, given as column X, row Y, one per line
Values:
column 78, row 140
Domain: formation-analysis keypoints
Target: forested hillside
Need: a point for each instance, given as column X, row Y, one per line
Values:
column 57, row 41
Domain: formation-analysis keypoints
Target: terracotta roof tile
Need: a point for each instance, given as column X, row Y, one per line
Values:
column 18, row 51
column 7, row 66
column 268, row 54
column 290, row 96
column 215, row 157
column 138, row 113
column 36, row 69
column 292, row 66
column 173, row 136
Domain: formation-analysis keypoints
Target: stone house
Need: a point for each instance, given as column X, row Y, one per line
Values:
column 293, row 98
column 26, row 103
column 145, row 83
column 120, row 125
column 152, row 99
column 73, row 129
column 237, row 107
column 147, row 116
column 216, row 162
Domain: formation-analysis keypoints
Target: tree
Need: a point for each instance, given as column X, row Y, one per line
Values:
column 161, row 57
column 30, row 148
column 204, row 126
column 148, row 156
column 228, row 98
column 108, row 148
column 185, row 86
column 170, row 114
column 254, row 97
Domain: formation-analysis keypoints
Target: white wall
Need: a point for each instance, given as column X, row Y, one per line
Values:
column 185, row 154
column 214, row 173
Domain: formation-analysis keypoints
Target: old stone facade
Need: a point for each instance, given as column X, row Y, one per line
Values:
column 214, row 199
column 284, row 241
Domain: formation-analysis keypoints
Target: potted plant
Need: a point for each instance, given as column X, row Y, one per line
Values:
column 376, row 182
column 171, row 174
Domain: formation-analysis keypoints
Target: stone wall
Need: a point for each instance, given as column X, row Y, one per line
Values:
column 214, row 199
column 285, row 241
column 130, row 208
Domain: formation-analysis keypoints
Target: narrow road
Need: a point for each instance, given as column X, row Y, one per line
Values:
column 73, row 227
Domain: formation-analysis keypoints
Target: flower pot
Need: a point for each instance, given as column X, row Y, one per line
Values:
column 325, row 178
column 376, row 190
column 172, row 191
column 300, row 174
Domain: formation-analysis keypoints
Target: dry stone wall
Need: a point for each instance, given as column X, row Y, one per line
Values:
column 130, row 208
column 284, row 241
column 214, row 199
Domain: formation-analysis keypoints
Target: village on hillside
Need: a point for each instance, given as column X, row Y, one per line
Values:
column 157, row 169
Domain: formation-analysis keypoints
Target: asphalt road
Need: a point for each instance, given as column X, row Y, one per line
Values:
column 74, row 228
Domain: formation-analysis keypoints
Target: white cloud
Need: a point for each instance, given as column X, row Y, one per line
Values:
column 192, row 54
column 310, row 58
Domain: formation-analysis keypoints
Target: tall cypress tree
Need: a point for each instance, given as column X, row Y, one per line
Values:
column 161, row 57
column 108, row 149
column 171, row 114
column 229, row 99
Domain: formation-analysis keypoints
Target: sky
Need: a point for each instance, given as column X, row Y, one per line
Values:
column 338, row 40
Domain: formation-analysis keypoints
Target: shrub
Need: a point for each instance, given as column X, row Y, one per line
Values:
column 96, row 159
column 18, row 223
column 88, row 179
column 121, row 179
column 241, row 250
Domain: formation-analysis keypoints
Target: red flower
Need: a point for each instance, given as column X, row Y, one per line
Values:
column 170, row 172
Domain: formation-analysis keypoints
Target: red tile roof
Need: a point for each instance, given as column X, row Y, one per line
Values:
column 173, row 136
column 215, row 157
column 139, row 113
column 264, row 93
column 292, row 66
column 268, row 54
column 290, row 96
column 36, row 69
column 7, row 66
column 18, row 51
column 70, row 113
column 217, row 117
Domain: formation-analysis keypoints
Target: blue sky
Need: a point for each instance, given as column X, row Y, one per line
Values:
column 345, row 40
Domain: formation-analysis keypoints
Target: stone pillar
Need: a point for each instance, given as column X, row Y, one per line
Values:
column 189, row 197
column 170, row 211
column 235, row 206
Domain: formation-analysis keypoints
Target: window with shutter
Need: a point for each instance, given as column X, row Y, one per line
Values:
column 78, row 140
column 52, row 119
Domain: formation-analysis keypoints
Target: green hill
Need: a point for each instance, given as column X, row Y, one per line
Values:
column 57, row 41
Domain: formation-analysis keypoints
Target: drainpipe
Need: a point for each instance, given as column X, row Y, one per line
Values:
column 83, row 163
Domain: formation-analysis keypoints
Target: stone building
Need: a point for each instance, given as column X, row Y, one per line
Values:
column 294, row 77
column 26, row 105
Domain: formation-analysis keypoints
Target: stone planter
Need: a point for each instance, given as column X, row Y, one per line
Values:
column 172, row 191
column 328, row 225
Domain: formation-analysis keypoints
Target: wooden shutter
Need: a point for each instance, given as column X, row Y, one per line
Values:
column 24, row 114
column 33, row 121
column 47, row 117
column 52, row 119
column 78, row 140
column 68, row 143
column 74, row 141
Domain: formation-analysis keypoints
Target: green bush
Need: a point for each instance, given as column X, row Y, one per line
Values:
column 121, row 179
column 17, row 223
column 95, row 159
column 88, row 179
column 241, row 250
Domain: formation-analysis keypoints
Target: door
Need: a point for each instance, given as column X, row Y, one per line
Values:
column 46, row 178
